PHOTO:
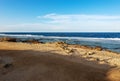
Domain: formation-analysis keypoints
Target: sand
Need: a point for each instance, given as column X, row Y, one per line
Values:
column 56, row 62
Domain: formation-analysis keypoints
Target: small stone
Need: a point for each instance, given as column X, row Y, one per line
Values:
column 90, row 53
column 97, row 59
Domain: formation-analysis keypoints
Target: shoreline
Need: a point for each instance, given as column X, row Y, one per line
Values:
column 67, row 49
column 35, row 41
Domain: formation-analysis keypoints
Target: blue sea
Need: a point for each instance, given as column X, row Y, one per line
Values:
column 106, row 40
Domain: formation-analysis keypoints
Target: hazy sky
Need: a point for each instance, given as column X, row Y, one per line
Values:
column 60, row 15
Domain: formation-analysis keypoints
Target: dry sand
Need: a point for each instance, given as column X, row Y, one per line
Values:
column 56, row 62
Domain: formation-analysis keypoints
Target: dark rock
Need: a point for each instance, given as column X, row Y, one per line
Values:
column 60, row 42
column 90, row 53
column 98, row 48
column 8, row 39
column 97, row 59
column 32, row 41
column 86, row 47
column 76, row 46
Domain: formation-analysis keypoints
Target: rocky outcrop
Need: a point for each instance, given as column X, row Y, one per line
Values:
column 83, row 46
column 86, row 47
column 98, row 48
column 8, row 39
column 33, row 41
column 64, row 46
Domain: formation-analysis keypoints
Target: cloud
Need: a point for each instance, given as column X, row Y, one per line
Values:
column 69, row 22
column 81, row 22
column 77, row 16
column 54, row 18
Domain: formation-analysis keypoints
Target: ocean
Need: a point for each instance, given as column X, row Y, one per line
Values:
column 107, row 40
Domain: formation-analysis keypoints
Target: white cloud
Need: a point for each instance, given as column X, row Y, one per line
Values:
column 75, row 18
column 82, row 22
column 68, row 22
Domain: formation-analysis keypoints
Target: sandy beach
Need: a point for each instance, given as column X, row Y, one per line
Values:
column 56, row 62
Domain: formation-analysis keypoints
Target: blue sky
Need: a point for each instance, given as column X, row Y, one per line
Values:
column 60, row 15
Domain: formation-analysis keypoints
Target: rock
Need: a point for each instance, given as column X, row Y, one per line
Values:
column 74, row 52
column 8, row 39
column 71, row 50
column 90, row 53
column 32, row 41
column 98, row 48
column 97, row 59
column 61, row 44
column 86, row 47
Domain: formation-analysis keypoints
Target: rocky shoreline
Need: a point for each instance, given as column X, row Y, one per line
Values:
column 35, row 41
column 85, row 60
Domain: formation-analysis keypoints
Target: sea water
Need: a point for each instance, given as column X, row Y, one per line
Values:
column 107, row 40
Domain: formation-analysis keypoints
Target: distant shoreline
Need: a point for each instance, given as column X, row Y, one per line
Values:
column 35, row 41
